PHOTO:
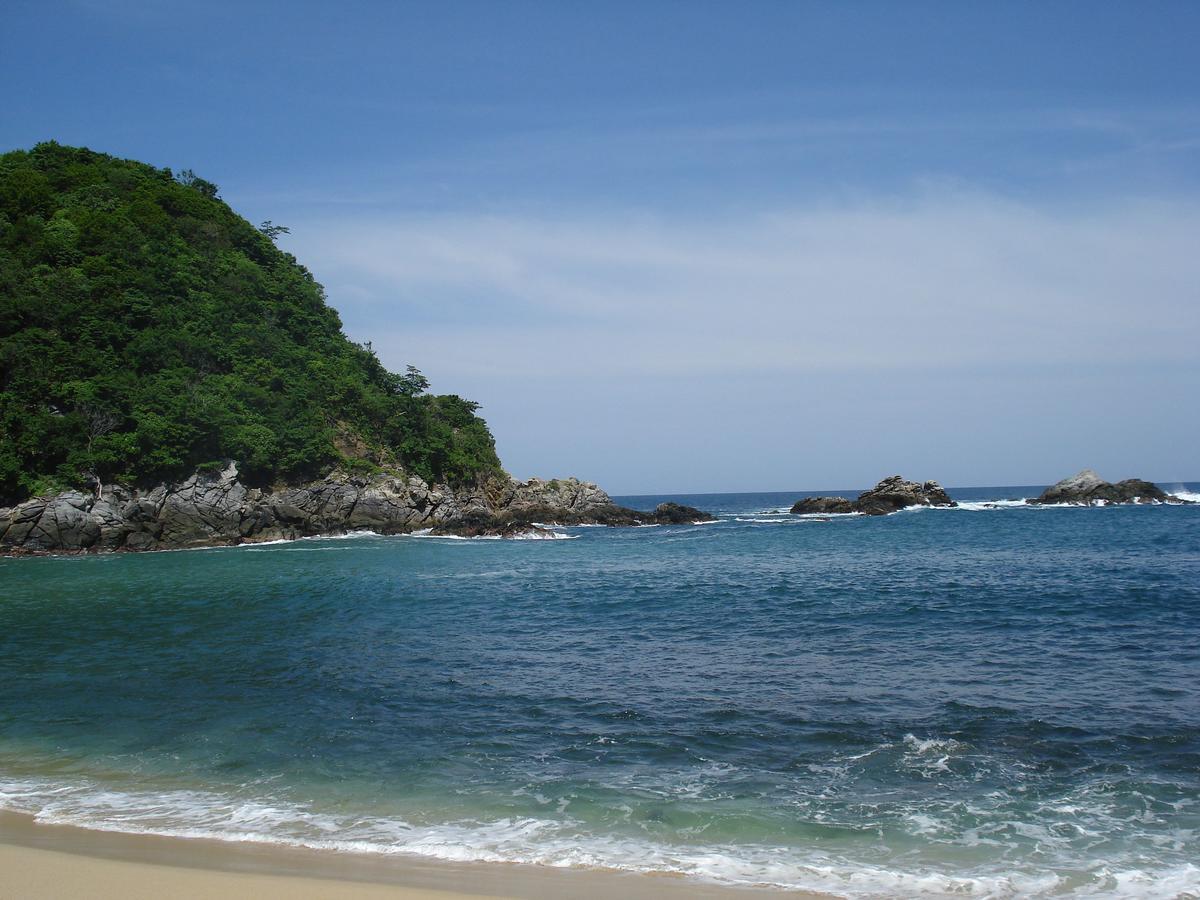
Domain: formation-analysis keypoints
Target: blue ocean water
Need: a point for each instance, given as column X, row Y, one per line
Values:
column 997, row 700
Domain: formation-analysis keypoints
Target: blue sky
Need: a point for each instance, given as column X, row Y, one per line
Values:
column 704, row 246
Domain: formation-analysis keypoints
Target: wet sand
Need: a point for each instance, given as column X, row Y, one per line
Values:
column 59, row 862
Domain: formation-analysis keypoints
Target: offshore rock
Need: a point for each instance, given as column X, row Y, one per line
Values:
column 894, row 493
column 890, row 495
column 678, row 514
column 540, row 515
column 215, row 508
column 1089, row 489
column 823, row 506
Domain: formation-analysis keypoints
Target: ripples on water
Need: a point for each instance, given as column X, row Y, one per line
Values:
column 995, row 701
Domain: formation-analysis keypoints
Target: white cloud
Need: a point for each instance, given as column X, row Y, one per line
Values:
column 947, row 280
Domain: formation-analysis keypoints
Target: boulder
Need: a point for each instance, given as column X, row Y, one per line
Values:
column 1087, row 489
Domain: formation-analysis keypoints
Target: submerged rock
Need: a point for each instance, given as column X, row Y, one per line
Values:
column 1087, row 489
column 890, row 495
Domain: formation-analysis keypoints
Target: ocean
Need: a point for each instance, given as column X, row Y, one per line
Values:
column 996, row 700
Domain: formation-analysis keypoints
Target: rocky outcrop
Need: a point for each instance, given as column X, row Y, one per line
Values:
column 216, row 508
column 536, row 515
column 1089, row 489
column 678, row 514
column 823, row 506
column 894, row 493
column 890, row 495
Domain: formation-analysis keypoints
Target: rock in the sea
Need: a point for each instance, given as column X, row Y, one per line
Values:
column 678, row 514
column 1088, row 489
column 890, row 495
column 822, row 506
column 894, row 493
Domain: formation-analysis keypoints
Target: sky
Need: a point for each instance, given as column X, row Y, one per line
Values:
column 700, row 246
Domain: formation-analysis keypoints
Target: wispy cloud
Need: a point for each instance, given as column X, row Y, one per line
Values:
column 949, row 279
column 749, row 153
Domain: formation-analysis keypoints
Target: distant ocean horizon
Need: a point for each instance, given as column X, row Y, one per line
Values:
column 965, row 492
column 781, row 501
column 994, row 700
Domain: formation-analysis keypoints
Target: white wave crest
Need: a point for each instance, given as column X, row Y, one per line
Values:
column 932, row 745
column 564, row 843
column 543, row 536
column 982, row 505
column 791, row 520
column 527, row 536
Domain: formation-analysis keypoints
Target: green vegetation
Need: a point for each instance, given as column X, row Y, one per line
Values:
column 147, row 330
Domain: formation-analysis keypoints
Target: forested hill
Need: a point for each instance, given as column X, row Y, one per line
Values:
column 147, row 330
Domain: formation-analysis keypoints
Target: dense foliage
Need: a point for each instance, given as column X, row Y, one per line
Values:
column 147, row 330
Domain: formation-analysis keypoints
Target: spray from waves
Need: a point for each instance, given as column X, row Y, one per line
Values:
column 298, row 543
column 777, row 516
column 1184, row 494
column 784, row 516
column 791, row 520
column 567, row 844
column 426, row 533
column 531, row 536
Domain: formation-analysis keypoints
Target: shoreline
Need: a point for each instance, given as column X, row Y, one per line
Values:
column 65, row 862
column 1180, row 498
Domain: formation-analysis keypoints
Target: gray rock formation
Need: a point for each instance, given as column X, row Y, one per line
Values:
column 1088, row 489
column 895, row 493
column 678, row 514
column 599, row 510
column 216, row 508
column 823, row 505
column 890, row 495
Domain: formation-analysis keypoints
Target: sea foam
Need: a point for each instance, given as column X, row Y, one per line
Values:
column 564, row 843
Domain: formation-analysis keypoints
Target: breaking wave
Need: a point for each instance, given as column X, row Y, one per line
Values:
column 566, row 842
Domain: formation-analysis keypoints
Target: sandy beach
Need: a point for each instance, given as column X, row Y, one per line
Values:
column 55, row 862
column 30, row 873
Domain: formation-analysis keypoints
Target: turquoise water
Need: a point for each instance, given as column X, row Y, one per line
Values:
column 995, row 700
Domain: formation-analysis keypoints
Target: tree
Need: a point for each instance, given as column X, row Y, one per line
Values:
column 146, row 330
column 98, row 422
column 273, row 231
column 188, row 178
column 413, row 382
